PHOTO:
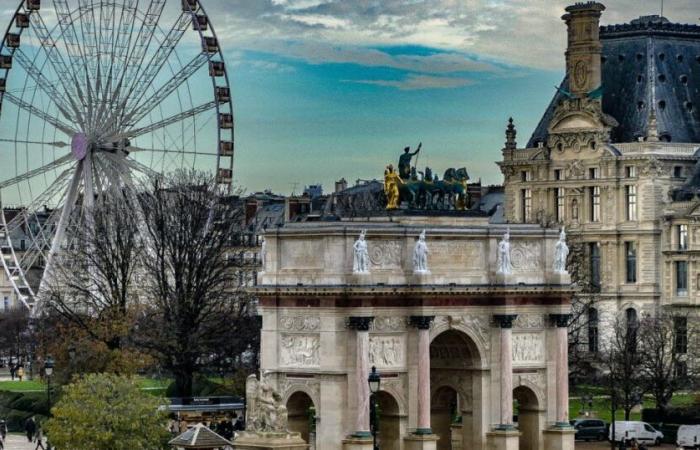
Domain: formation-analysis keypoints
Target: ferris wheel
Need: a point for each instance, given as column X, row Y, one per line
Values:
column 96, row 95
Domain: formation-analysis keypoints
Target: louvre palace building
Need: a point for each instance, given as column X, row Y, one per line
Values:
column 614, row 159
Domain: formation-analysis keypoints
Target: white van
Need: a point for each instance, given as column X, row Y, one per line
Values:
column 688, row 436
column 641, row 431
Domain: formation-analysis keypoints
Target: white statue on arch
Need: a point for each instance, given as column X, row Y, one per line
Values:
column 561, row 251
column 504, row 265
column 420, row 255
column 360, row 263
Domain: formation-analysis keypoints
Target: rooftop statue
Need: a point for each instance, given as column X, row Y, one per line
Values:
column 405, row 161
column 428, row 191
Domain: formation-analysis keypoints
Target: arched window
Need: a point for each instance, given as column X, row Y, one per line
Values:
column 592, row 330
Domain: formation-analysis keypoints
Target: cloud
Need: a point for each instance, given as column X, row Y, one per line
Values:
column 417, row 82
column 527, row 33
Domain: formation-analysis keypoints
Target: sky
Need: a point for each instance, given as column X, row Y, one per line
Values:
column 325, row 89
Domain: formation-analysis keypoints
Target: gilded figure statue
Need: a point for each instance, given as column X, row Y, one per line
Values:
column 392, row 181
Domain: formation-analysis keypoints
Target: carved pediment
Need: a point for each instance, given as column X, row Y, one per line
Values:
column 579, row 124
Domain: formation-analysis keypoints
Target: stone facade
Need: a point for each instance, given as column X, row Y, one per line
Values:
column 615, row 196
column 463, row 337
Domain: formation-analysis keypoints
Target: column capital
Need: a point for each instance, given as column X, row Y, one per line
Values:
column 505, row 320
column 421, row 322
column 359, row 323
column 560, row 320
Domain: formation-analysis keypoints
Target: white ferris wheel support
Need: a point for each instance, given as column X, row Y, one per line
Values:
column 96, row 98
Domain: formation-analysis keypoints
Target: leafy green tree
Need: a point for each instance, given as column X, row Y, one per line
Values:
column 106, row 412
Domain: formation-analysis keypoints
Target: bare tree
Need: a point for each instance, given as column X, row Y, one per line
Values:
column 668, row 355
column 195, row 303
column 94, row 287
column 620, row 360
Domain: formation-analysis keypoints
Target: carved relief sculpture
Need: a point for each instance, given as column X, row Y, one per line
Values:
column 361, row 255
column 386, row 351
column 420, row 256
column 299, row 350
column 528, row 348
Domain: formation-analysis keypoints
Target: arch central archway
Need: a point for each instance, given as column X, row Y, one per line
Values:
column 298, row 410
column 454, row 360
column 528, row 412
column 389, row 422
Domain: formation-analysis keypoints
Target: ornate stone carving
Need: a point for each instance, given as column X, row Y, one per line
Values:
column 266, row 412
column 526, row 256
column 300, row 323
column 477, row 324
column 457, row 255
column 388, row 323
column 385, row 254
column 529, row 321
column 299, row 350
column 575, row 169
column 534, row 378
column 528, row 348
column 289, row 385
column 387, row 351
column 652, row 167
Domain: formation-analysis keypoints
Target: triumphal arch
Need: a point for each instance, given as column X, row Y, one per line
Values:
column 464, row 319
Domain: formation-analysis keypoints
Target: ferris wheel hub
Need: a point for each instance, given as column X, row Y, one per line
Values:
column 79, row 146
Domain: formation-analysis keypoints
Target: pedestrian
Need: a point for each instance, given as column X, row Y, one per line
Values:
column 239, row 425
column 3, row 430
column 30, row 428
column 12, row 372
column 39, row 439
column 20, row 372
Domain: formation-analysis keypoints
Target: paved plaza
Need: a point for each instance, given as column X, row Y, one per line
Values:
column 18, row 442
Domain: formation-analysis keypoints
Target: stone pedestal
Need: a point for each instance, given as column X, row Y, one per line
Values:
column 265, row 441
column 421, row 442
column 504, row 440
column 358, row 443
column 559, row 439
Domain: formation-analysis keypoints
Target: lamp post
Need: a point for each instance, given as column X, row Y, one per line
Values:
column 48, row 370
column 374, row 381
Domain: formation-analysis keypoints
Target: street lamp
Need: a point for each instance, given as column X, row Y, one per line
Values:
column 374, row 381
column 48, row 370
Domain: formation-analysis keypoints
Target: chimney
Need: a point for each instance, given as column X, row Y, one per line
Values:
column 584, row 47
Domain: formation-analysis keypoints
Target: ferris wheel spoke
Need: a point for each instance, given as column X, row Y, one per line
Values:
column 35, row 172
column 154, row 66
column 67, row 129
column 70, row 37
column 171, row 120
column 57, row 144
column 50, row 47
column 133, row 149
column 69, row 110
column 63, row 220
column 87, row 29
column 145, row 107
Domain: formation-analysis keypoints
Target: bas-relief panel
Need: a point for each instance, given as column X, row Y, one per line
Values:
column 528, row 348
column 388, row 323
column 385, row 254
column 302, row 254
column 387, row 351
column 529, row 321
column 526, row 256
column 458, row 255
column 299, row 350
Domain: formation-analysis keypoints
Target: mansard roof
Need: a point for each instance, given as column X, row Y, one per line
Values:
column 646, row 63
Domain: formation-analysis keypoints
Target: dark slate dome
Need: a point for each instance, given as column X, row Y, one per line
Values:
column 647, row 62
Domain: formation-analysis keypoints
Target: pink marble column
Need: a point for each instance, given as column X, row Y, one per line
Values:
column 361, row 326
column 506, row 324
column 562, row 321
column 422, row 323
